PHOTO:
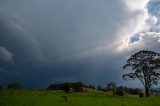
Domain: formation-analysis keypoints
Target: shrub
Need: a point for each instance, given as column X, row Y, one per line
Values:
column 119, row 92
column 141, row 94
column 76, row 86
column 66, row 88
column 65, row 98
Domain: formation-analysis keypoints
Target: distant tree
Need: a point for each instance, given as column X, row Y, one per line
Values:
column 133, row 91
column 99, row 88
column 141, row 94
column 14, row 86
column 111, row 86
column 1, row 87
column 91, row 87
column 55, row 87
column 119, row 92
column 144, row 66
column 155, row 90
column 77, row 86
column 66, row 87
column 121, row 87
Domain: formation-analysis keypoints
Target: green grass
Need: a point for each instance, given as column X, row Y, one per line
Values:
column 49, row 98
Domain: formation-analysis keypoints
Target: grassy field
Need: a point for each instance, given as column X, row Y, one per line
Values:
column 49, row 98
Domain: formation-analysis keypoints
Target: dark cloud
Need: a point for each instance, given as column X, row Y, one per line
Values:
column 64, row 27
column 73, row 40
column 18, row 39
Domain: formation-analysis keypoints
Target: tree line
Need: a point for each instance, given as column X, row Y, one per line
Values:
column 12, row 86
column 81, row 87
column 143, row 66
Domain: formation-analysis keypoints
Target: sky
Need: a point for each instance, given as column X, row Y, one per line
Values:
column 51, row 41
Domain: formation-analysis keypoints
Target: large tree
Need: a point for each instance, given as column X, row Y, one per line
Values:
column 144, row 66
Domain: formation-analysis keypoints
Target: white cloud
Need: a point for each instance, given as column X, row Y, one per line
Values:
column 147, row 41
column 134, row 5
column 6, row 55
column 140, row 21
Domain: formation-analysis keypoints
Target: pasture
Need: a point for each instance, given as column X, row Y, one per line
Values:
column 52, row 98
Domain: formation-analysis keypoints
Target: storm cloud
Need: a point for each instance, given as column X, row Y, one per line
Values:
column 73, row 40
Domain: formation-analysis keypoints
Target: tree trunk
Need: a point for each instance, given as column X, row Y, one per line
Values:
column 147, row 92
